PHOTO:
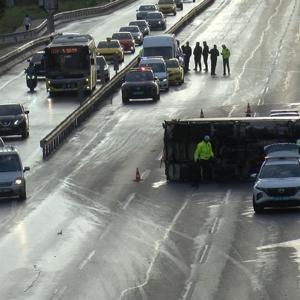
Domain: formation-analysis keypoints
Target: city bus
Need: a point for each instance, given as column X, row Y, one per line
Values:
column 70, row 64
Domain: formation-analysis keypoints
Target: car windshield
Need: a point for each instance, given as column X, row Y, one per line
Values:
column 165, row 52
column 37, row 57
column 280, row 171
column 147, row 8
column 136, row 23
column 156, row 67
column 130, row 29
column 8, row 110
column 172, row 63
column 122, row 36
column 139, row 76
column 154, row 16
column 112, row 44
column 9, row 163
column 165, row 2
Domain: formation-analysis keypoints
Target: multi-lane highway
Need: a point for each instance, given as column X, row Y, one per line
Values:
column 87, row 231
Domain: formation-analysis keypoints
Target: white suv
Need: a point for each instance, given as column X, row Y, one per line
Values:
column 12, row 181
column 278, row 181
column 159, row 68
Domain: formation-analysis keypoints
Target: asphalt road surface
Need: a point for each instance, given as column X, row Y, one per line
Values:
column 87, row 231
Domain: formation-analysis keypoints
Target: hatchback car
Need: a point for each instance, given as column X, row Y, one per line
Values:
column 109, row 49
column 136, row 33
column 278, row 181
column 12, row 181
column 38, row 60
column 143, row 10
column 175, row 70
column 156, row 20
column 102, row 64
column 142, row 24
column 14, row 120
column 126, row 40
column 167, row 6
column 140, row 83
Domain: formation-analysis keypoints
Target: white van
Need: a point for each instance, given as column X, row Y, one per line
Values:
column 164, row 45
column 159, row 68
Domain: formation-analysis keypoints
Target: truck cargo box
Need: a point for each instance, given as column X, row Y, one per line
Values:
column 238, row 144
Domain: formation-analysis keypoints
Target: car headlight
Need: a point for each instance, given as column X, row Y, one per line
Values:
column 159, row 22
column 86, row 80
column 165, row 79
column 17, row 122
column 18, row 181
column 260, row 188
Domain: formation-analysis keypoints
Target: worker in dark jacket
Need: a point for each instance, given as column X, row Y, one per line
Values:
column 205, row 53
column 214, row 53
column 187, row 51
column 197, row 56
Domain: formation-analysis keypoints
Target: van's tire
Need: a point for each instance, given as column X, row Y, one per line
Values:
column 174, row 13
column 125, row 100
column 25, row 134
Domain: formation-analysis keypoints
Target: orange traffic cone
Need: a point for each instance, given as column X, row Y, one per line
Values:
column 201, row 114
column 137, row 175
column 248, row 111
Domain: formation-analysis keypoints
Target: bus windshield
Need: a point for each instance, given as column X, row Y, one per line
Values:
column 165, row 52
column 68, row 60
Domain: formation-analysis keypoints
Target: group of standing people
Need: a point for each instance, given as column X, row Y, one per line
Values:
column 204, row 52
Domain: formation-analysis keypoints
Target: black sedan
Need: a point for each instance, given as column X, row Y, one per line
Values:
column 156, row 20
column 143, row 10
column 142, row 24
column 140, row 83
column 14, row 120
column 38, row 60
column 102, row 66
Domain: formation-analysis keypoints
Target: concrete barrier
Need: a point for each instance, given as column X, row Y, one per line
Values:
column 52, row 141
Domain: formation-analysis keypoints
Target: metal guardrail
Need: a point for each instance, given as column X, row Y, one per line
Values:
column 59, row 134
column 59, row 18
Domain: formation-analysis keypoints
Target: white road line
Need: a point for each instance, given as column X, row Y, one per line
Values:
column 85, row 261
column 204, row 254
column 187, row 290
column 128, row 200
column 156, row 252
column 58, row 293
column 215, row 225
column 159, row 157
column 145, row 174
column 8, row 82
column 226, row 197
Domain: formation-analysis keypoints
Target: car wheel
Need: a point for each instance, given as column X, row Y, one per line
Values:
column 181, row 7
column 133, row 50
column 174, row 13
column 164, row 27
column 23, row 196
column 258, row 208
column 125, row 100
column 25, row 134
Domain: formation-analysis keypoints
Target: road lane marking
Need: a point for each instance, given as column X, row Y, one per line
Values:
column 204, row 254
column 58, row 293
column 227, row 195
column 128, row 200
column 214, row 227
column 156, row 251
column 11, row 80
column 85, row 261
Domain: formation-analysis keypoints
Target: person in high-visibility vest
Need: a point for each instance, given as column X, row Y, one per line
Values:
column 226, row 54
column 203, row 156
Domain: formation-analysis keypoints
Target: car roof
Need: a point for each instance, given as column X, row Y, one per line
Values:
column 6, row 149
column 286, row 161
column 11, row 104
column 152, row 59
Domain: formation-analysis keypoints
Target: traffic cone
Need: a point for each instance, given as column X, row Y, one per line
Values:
column 248, row 111
column 137, row 175
column 201, row 114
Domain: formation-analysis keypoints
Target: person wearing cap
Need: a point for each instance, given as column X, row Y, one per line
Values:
column 203, row 156
column 226, row 54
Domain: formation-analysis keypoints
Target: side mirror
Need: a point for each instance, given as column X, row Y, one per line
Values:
column 26, row 112
column 253, row 176
column 26, row 169
column 28, row 60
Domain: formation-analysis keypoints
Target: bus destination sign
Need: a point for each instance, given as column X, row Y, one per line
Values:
column 64, row 50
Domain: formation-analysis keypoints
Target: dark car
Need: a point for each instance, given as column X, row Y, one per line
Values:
column 14, row 120
column 38, row 60
column 143, row 10
column 156, row 20
column 101, row 63
column 140, row 83
column 143, row 25
column 136, row 33
column 126, row 40
column 179, row 4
